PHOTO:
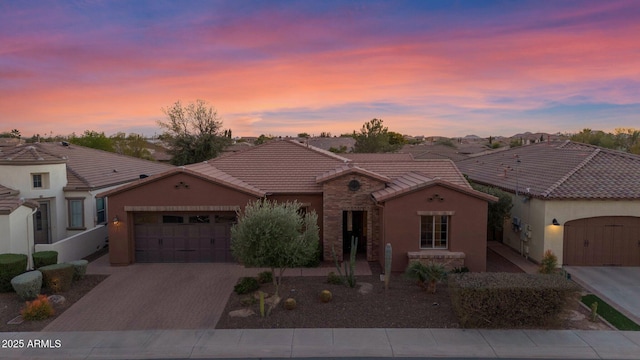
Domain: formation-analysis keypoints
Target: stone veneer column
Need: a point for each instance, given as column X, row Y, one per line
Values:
column 337, row 197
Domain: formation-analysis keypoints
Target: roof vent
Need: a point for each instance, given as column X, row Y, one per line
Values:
column 143, row 176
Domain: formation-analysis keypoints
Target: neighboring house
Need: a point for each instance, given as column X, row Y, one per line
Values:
column 425, row 209
column 59, row 181
column 580, row 201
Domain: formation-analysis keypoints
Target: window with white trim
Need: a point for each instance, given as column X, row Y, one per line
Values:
column 101, row 211
column 76, row 213
column 434, row 231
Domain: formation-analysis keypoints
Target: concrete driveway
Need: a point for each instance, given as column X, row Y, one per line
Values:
column 153, row 296
column 618, row 286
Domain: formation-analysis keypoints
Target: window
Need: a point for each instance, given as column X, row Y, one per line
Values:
column 37, row 181
column 40, row 180
column 76, row 213
column 101, row 215
column 434, row 231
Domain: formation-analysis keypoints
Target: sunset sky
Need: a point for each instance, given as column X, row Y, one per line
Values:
column 448, row 68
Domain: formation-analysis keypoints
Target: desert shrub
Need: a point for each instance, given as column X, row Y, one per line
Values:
column 11, row 265
column 426, row 275
column 549, row 263
column 246, row 285
column 79, row 268
column 334, row 279
column 44, row 258
column 27, row 285
column 265, row 277
column 57, row 277
column 510, row 300
column 38, row 309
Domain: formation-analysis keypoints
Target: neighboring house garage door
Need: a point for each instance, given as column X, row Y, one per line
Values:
column 602, row 241
column 183, row 237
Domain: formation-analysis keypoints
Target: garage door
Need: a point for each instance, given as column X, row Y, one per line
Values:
column 602, row 241
column 183, row 237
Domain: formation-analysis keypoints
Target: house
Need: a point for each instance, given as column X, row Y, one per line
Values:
column 47, row 192
column 582, row 202
column 425, row 209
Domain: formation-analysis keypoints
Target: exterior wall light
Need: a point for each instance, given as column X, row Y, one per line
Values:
column 116, row 221
column 555, row 222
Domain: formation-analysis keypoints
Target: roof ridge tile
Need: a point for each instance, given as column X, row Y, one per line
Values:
column 563, row 179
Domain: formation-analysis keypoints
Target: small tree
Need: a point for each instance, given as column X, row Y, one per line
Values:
column 275, row 235
column 374, row 138
column 193, row 132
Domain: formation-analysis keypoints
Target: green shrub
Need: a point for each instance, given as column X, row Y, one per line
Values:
column 44, row 258
column 246, row 285
column 333, row 278
column 11, row 265
column 510, row 300
column 27, row 285
column 57, row 277
column 265, row 277
column 79, row 268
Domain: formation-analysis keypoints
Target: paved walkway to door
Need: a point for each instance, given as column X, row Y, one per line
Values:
column 618, row 286
column 162, row 296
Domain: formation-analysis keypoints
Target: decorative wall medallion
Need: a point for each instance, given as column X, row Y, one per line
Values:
column 181, row 184
column 435, row 197
column 354, row 185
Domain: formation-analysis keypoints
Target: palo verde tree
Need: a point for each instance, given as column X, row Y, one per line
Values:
column 374, row 137
column 193, row 132
column 275, row 235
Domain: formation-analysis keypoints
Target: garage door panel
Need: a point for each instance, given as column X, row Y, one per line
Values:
column 186, row 238
column 602, row 241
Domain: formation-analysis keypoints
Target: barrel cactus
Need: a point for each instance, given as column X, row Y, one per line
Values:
column 325, row 296
column 290, row 304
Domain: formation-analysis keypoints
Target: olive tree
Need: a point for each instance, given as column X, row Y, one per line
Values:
column 275, row 235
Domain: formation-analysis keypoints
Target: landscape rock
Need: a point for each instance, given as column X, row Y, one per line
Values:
column 56, row 299
column 365, row 288
column 242, row 313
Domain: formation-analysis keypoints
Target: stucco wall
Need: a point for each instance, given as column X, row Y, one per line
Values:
column 467, row 233
column 171, row 193
column 16, row 231
column 540, row 214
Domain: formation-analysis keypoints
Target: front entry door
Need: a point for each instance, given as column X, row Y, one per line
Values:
column 41, row 224
column 354, row 224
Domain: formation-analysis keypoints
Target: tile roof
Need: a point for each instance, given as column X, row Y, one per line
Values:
column 349, row 169
column 29, row 154
column 207, row 169
column 202, row 170
column 444, row 170
column 413, row 181
column 280, row 166
column 95, row 169
column 559, row 170
column 10, row 200
column 378, row 157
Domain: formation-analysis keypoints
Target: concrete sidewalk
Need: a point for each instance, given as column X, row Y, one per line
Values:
column 320, row 343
